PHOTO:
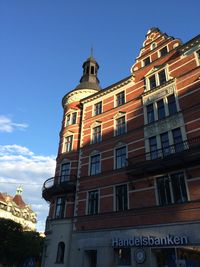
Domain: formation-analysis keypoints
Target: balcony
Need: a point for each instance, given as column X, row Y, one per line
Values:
column 57, row 185
column 181, row 155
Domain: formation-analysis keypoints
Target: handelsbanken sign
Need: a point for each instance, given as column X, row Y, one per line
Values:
column 148, row 241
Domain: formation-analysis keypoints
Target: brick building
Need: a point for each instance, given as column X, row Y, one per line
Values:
column 126, row 186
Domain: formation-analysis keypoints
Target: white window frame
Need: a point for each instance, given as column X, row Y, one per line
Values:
column 159, row 54
column 119, row 115
column 64, row 142
column 171, row 190
column 197, row 56
column 120, row 145
column 60, row 169
column 93, row 108
column 64, row 214
column 87, row 204
column 94, row 125
column 114, row 198
column 166, row 107
column 143, row 64
column 94, row 153
column 116, row 105
column 156, row 74
column 69, row 113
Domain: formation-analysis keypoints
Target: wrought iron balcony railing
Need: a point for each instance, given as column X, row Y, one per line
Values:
column 179, row 155
column 58, row 185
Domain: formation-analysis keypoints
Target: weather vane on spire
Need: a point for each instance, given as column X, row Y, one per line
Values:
column 91, row 51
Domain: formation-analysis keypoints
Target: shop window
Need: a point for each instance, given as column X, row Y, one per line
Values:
column 172, row 104
column 60, row 207
column 93, row 202
column 150, row 113
column 65, row 172
column 163, row 51
column 60, row 252
column 176, row 257
column 123, row 256
column 120, row 157
column 68, row 142
column 161, row 109
column 98, row 108
column 90, row 258
column 121, row 198
column 153, row 147
column 146, row 61
column 95, row 164
column 120, row 99
column 120, row 126
column 96, row 134
column 171, row 189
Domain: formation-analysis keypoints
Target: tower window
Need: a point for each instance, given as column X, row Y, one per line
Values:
column 60, row 252
column 60, row 207
column 68, row 143
column 92, row 69
column 65, row 171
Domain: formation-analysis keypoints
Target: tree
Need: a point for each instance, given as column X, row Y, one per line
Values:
column 16, row 245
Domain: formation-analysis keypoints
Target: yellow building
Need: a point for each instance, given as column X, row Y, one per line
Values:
column 16, row 209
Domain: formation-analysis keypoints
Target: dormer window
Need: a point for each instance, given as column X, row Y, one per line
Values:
column 146, row 61
column 163, row 51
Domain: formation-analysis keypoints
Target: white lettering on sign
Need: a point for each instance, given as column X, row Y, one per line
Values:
column 147, row 241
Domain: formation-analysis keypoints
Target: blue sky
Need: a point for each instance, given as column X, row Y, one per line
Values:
column 43, row 44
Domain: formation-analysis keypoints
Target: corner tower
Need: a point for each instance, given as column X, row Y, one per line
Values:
column 60, row 190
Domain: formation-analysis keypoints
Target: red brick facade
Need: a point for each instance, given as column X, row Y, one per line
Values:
column 159, row 136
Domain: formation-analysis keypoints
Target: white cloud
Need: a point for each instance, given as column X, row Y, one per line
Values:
column 6, row 125
column 20, row 166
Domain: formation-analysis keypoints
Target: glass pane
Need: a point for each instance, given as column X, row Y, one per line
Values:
column 152, row 82
column 172, row 105
column 161, row 109
column 179, row 188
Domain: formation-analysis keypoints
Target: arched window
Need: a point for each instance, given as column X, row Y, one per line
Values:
column 60, row 252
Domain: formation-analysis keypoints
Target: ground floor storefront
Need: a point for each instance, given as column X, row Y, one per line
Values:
column 176, row 245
